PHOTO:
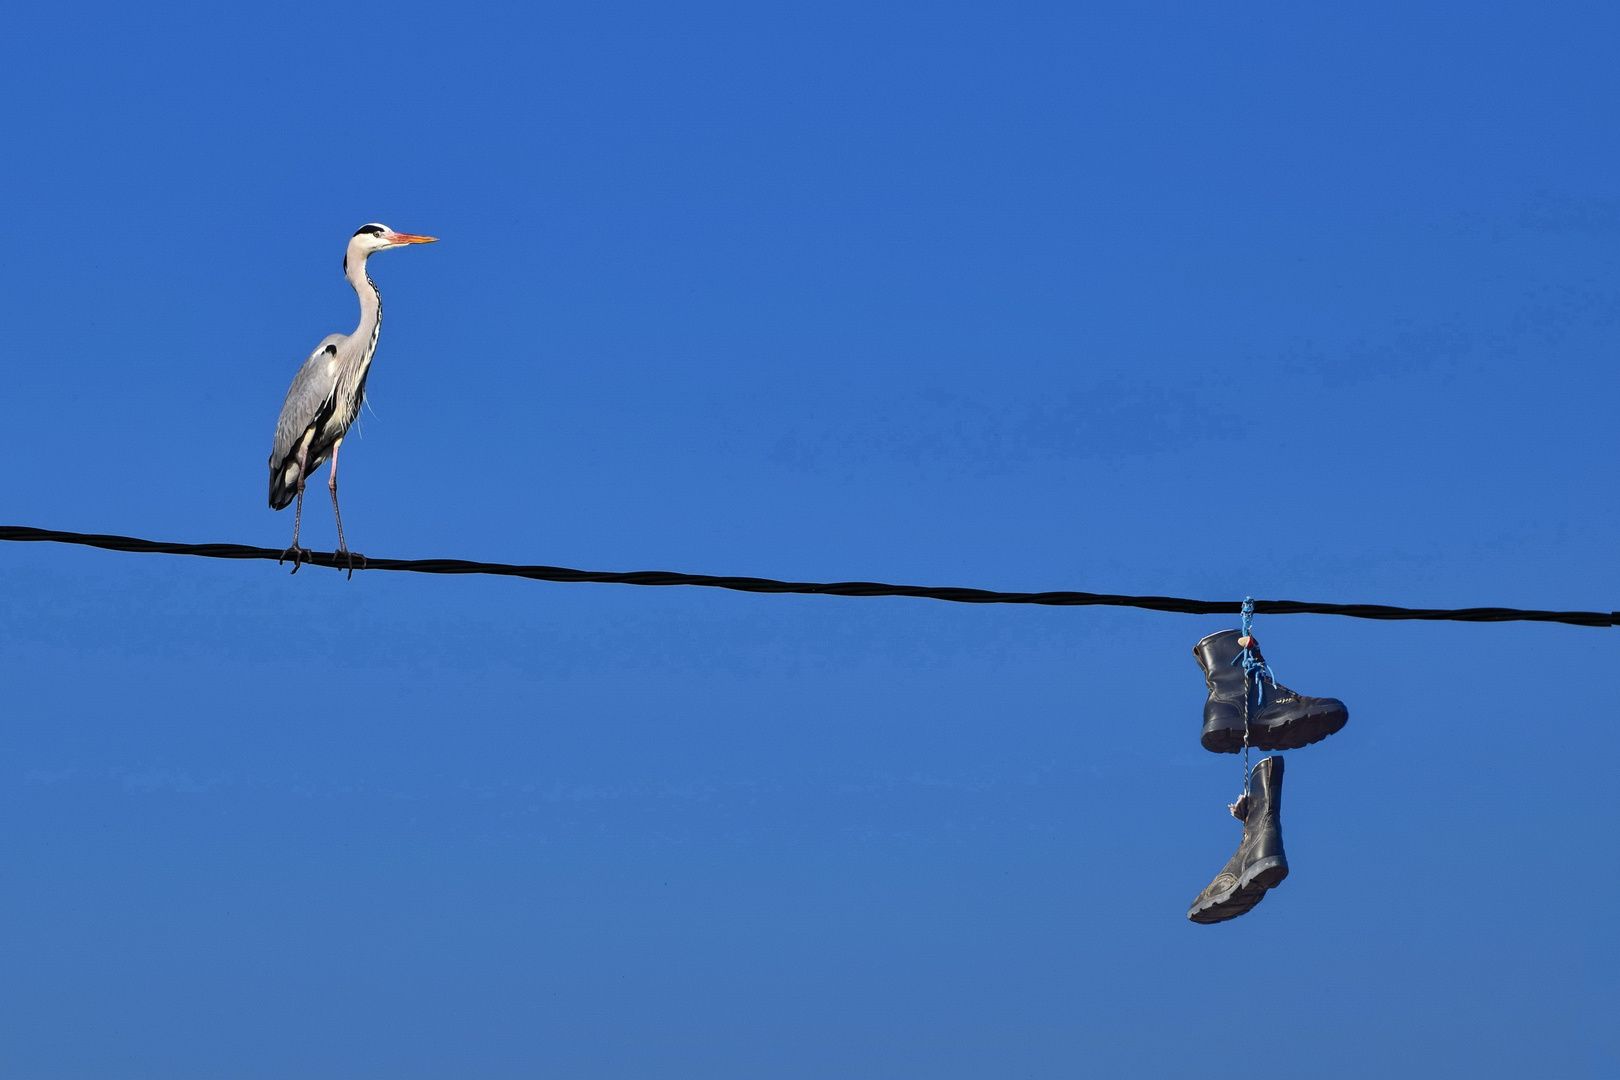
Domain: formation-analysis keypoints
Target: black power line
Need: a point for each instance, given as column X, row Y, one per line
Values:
column 817, row 588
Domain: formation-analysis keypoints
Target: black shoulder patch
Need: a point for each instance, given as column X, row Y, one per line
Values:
column 331, row 348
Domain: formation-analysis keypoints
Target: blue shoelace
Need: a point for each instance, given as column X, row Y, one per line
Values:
column 1255, row 668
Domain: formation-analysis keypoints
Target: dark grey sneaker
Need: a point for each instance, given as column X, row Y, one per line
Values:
column 1281, row 719
column 1259, row 864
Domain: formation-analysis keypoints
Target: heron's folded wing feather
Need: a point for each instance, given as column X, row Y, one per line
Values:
column 311, row 389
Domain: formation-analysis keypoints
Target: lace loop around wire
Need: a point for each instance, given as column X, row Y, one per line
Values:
column 1255, row 672
column 1255, row 669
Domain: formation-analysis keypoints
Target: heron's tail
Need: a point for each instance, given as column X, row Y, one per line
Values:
column 283, row 483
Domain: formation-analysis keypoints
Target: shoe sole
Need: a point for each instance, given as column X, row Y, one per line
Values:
column 1241, row 898
column 1310, row 728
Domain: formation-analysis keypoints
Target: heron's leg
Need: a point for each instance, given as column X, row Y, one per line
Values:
column 298, row 513
column 331, row 485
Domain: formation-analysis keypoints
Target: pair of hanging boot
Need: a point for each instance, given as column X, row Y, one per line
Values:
column 1248, row 707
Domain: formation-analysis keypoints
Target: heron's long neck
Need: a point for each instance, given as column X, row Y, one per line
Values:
column 370, row 304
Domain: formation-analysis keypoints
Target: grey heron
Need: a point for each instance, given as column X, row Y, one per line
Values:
column 326, row 394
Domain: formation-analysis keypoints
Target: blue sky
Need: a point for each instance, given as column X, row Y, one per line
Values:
column 1151, row 299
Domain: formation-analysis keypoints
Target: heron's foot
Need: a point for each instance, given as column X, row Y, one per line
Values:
column 353, row 560
column 298, row 555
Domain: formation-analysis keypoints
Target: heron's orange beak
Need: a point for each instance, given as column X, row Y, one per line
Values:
column 407, row 238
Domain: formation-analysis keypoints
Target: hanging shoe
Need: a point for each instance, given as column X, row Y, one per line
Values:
column 1280, row 719
column 1259, row 863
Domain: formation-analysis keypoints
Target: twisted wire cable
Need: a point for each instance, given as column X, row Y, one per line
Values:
column 1180, row 604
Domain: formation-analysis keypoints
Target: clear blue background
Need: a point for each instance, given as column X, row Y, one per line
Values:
column 1149, row 298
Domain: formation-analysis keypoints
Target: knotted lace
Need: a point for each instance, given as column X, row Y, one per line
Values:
column 1255, row 668
column 1255, row 672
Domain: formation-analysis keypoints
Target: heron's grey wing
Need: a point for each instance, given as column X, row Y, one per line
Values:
column 311, row 390
column 310, row 394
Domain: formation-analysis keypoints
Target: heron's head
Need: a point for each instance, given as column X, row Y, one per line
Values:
column 370, row 239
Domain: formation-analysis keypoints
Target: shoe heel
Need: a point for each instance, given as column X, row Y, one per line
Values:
column 1266, row 874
